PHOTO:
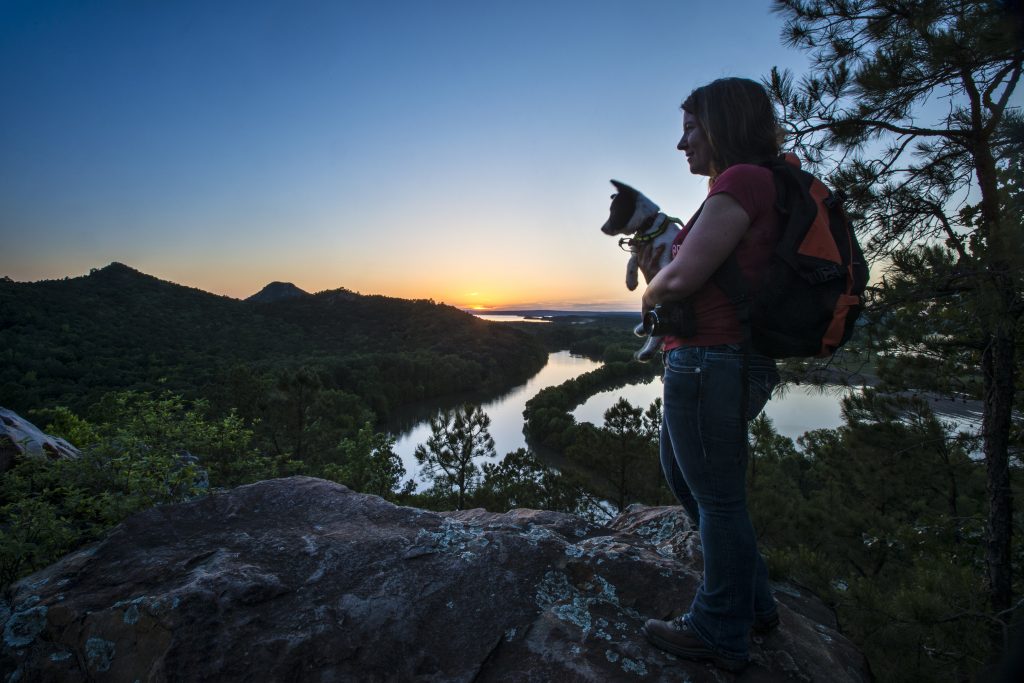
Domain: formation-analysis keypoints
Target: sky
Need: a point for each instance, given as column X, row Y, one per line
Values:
column 446, row 150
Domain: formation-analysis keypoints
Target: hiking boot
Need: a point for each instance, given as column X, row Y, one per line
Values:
column 765, row 625
column 678, row 638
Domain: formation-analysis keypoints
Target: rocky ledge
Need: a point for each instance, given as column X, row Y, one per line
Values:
column 18, row 436
column 301, row 579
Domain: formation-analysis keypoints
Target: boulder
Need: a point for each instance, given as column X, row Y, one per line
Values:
column 18, row 436
column 301, row 579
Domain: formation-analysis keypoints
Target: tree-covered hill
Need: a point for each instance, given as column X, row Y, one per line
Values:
column 277, row 291
column 67, row 342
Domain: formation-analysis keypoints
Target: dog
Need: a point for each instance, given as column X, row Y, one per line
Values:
column 632, row 213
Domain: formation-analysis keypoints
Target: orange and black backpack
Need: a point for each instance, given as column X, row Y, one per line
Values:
column 812, row 293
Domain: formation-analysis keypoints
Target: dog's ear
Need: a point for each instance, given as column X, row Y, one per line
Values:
column 622, row 209
column 629, row 210
column 623, row 187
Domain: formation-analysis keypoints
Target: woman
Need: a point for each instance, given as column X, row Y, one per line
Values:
column 729, row 128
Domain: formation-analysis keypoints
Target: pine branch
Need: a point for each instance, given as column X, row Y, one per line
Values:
column 895, row 156
column 885, row 125
column 998, row 109
column 953, row 238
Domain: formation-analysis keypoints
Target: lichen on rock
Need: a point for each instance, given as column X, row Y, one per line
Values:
column 303, row 579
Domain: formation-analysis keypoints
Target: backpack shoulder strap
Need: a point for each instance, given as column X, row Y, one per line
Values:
column 730, row 278
column 797, row 208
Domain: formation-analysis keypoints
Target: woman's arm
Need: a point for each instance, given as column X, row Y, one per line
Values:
column 719, row 228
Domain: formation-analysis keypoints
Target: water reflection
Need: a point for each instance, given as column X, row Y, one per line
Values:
column 793, row 411
column 506, row 412
column 798, row 408
column 498, row 318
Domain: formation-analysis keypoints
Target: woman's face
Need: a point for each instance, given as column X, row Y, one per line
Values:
column 695, row 144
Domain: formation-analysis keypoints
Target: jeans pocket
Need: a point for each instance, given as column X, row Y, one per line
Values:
column 683, row 361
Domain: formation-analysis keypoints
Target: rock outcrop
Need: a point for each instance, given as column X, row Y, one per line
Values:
column 18, row 436
column 301, row 579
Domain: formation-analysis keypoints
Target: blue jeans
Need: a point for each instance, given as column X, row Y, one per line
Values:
column 704, row 457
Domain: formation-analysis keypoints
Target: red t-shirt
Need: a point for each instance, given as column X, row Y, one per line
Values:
column 753, row 187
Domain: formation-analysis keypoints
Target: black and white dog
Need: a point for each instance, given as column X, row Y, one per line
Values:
column 634, row 214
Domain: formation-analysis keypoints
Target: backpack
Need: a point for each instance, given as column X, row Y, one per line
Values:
column 810, row 298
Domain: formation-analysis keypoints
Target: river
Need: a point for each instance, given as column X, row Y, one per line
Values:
column 506, row 411
column 797, row 410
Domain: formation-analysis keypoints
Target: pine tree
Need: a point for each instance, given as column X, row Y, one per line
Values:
column 521, row 480
column 369, row 464
column 911, row 101
column 457, row 438
column 621, row 457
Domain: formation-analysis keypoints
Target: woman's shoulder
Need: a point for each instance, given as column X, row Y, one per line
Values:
column 750, row 184
column 744, row 173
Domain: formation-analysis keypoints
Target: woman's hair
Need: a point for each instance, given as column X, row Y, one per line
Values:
column 738, row 120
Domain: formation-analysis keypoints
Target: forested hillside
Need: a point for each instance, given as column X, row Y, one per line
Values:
column 68, row 342
column 171, row 392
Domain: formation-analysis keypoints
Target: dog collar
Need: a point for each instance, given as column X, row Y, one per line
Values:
column 659, row 225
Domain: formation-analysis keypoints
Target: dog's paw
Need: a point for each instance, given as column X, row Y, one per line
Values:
column 649, row 350
column 644, row 355
column 632, row 274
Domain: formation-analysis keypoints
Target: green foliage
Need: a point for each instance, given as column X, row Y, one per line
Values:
column 937, row 189
column 619, row 460
column 884, row 518
column 137, row 451
column 457, row 438
column 520, row 480
column 287, row 389
column 119, row 329
column 70, row 427
column 32, row 534
column 130, row 421
column 548, row 421
column 367, row 463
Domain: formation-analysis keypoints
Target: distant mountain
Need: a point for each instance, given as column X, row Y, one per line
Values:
column 67, row 342
column 277, row 291
column 557, row 313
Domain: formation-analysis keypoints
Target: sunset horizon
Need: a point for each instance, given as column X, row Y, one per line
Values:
column 470, row 302
column 459, row 153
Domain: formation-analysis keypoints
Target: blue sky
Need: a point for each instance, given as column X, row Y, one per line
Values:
column 459, row 151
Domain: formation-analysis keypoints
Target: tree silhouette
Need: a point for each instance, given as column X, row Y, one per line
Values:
column 621, row 457
column 911, row 101
column 369, row 464
column 520, row 480
column 457, row 438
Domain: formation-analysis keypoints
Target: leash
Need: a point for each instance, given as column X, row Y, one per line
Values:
column 632, row 243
